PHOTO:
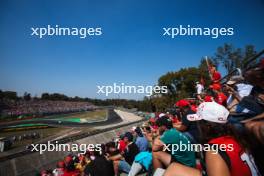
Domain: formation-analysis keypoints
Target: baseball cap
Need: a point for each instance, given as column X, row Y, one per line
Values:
column 182, row 103
column 161, row 115
column 210, row 111
column 215, row 86
column 234, row 79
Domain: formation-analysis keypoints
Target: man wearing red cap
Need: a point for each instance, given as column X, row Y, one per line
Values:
column 215, row 86
column 219, row 97
column 185, row 126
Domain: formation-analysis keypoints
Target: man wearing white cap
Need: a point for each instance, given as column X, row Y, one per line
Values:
column 210, row 111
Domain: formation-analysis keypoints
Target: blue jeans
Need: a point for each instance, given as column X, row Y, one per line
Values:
column 124, row 166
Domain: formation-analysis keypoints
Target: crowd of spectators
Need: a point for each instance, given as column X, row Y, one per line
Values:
column 16, row 108
column 224, row 114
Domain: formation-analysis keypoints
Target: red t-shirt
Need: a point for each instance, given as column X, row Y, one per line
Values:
column 216, row 76
column 236, row 154
column 122, row 145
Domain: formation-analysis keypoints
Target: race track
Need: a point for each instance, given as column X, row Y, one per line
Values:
column 112, row 118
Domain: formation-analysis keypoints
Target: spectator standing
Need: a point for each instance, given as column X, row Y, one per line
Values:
column 199, row 90
column 216, row 76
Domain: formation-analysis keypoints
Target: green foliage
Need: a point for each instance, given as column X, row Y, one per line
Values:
column 8, row 95
column 181, row 84
column 56, row 96
column 231, row 58
column 27, row 96
column 160, row 103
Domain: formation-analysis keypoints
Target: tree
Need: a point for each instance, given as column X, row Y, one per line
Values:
column 45, row 96
column 231, row 57
column 180, row 84
column 160, row 103
column 9, row 95
column 27, row 96
column 144, row 105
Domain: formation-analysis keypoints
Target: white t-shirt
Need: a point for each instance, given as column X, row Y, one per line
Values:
column 244, row 89
column 199, row 88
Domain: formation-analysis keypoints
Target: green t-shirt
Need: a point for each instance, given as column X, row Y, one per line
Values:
column 182, row 155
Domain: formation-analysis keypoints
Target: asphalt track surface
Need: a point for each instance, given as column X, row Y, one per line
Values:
column 112, row 118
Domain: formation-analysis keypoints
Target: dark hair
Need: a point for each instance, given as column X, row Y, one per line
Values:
column 210, row 130
column 110, row 144
column 129, row 136
column 76, row 159
column 97, row 153
column 164, row 121
column 148, row 129
column 70, row 166
column 139, row 132
column 210, row 92
column 103, row 148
